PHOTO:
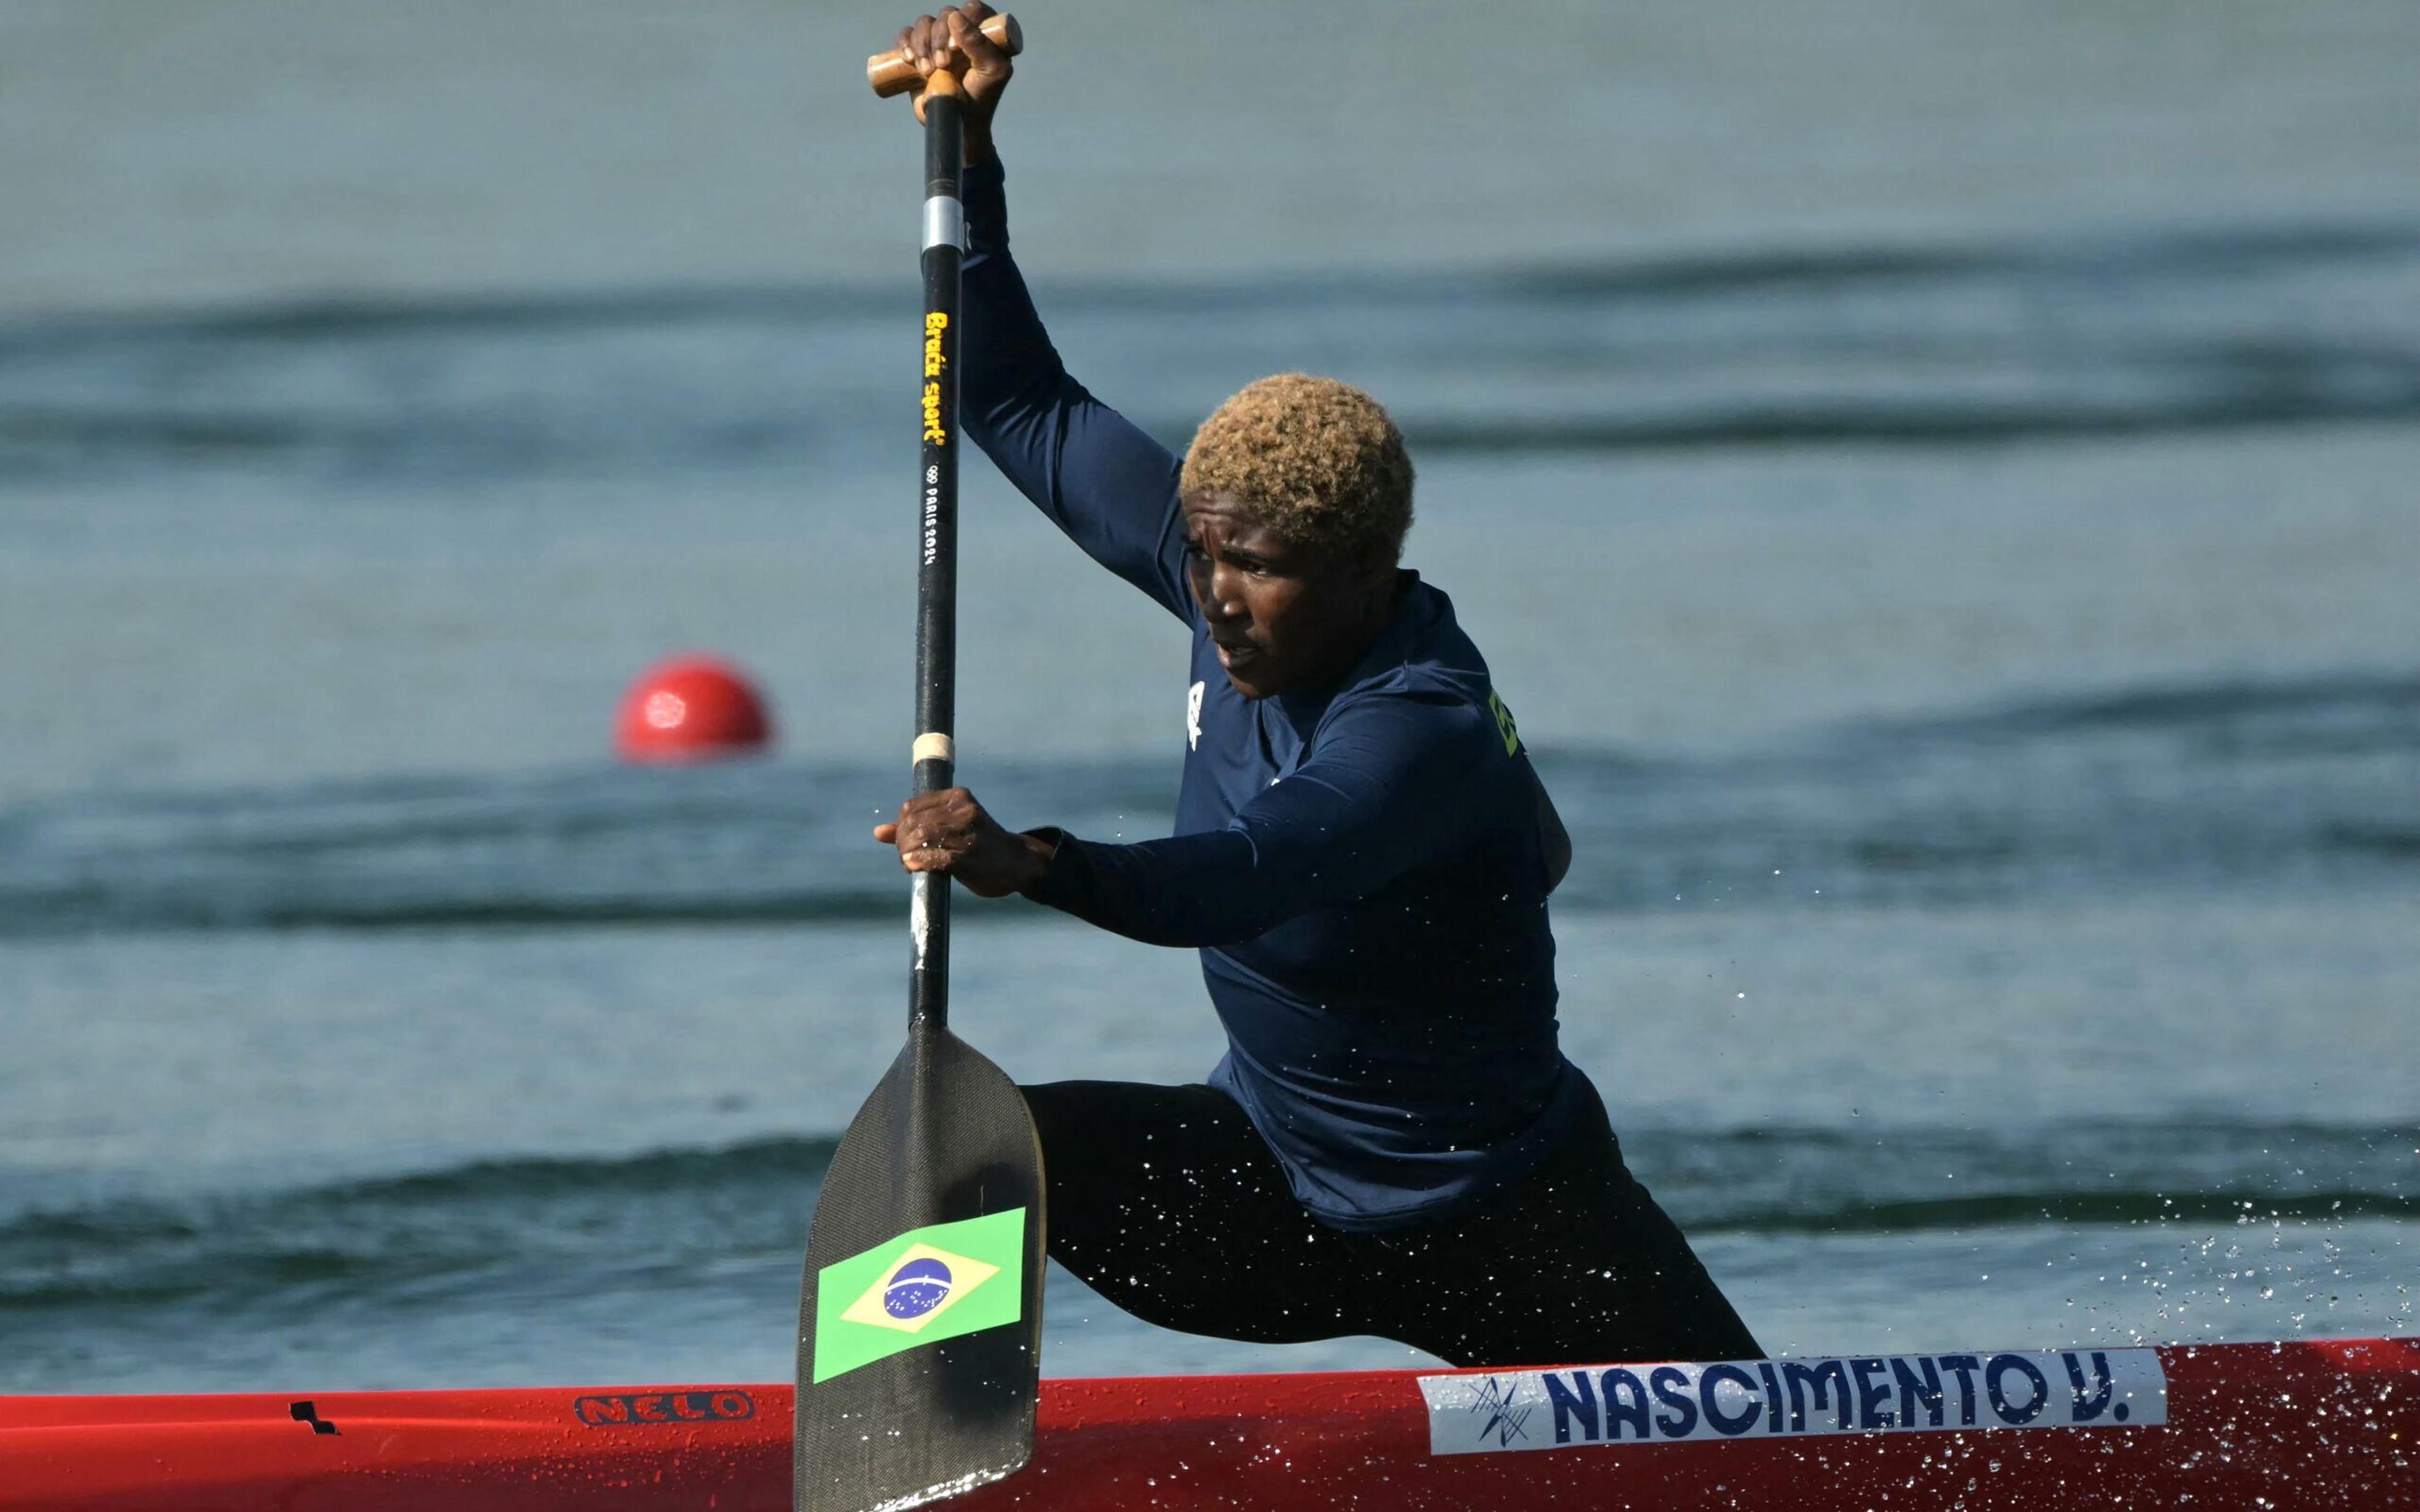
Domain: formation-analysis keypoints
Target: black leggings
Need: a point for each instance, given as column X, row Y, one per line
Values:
column 1165, row 1201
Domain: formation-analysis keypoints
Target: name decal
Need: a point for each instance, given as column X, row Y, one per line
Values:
column 1515, row 1409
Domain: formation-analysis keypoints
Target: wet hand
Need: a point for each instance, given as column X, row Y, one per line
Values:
column 948, row 832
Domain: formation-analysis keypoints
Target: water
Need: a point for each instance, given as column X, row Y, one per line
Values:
column 1964, row 614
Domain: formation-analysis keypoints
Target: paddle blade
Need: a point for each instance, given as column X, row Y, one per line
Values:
column 919, row 1319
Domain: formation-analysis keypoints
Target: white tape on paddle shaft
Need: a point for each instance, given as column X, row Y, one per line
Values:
column 932, row 746
column 945, row 222
column 920, row 915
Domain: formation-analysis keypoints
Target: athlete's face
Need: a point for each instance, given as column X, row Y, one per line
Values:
column 1284, row 618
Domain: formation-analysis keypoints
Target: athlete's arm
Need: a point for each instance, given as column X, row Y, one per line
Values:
column 1100, row 479
column 1389, row 787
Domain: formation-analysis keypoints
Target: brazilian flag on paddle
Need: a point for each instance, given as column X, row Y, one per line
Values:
column 929, row 1284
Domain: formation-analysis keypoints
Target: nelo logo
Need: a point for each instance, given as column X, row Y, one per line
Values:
column 646, row 1407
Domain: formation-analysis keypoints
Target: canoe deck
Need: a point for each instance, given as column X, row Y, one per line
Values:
column 2312, row 1423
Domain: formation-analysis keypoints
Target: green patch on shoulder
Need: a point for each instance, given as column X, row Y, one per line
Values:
column 1504, row 725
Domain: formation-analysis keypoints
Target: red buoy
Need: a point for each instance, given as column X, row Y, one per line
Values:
column 690, row 709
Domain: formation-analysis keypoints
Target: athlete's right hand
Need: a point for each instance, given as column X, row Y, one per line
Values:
column 949, row 831
column 932, row 41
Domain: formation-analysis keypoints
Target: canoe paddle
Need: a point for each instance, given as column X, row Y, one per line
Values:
column 920, row 1316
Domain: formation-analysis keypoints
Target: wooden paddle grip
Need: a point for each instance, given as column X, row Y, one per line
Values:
column 892, row 73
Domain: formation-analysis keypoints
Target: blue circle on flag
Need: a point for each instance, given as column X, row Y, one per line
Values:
column 916, row 1288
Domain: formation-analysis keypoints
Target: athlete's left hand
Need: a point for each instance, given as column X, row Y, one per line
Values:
column 949, row 831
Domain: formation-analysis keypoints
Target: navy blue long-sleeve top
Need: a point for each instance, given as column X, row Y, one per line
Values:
column 1364, row 868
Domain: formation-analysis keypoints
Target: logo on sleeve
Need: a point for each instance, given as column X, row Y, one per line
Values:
column 1193, row 718
column 1504, row 725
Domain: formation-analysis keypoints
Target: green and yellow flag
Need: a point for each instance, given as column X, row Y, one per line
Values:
column 928, row 1283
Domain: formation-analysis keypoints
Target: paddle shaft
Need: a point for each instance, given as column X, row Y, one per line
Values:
column 936, row 577
column 940, row 1175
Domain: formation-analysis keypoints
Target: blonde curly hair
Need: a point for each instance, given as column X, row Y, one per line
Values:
column 1315, row 459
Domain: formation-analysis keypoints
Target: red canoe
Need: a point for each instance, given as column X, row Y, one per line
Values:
column 2332, row 1425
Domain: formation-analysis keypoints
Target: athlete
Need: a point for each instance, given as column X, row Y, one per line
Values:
column 1393, row 1144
